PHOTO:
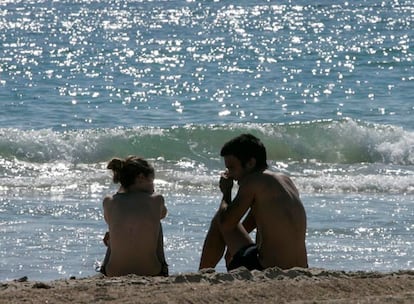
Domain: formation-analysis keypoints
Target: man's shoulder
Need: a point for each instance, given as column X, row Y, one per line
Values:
column 158, row 197
column 266, row 175
column 274, row 173
column 278, row 176
column 268, row 180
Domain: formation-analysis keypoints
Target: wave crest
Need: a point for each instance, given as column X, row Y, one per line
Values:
column 346, row 141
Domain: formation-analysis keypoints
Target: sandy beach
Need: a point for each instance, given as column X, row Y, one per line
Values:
column 239, row 286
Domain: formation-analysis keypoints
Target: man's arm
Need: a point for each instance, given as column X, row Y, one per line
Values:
column 249, row 222
column 230, row 214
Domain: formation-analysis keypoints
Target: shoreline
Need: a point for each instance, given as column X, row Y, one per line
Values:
column 272, row 285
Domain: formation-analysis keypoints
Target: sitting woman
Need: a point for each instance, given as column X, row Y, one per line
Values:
column 133, row 214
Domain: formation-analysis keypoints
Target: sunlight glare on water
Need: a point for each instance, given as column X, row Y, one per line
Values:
column 103, row 57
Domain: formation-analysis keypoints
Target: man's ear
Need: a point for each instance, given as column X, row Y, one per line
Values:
column 251, row 164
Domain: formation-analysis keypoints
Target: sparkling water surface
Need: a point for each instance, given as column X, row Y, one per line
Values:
column 327, row 85
column 83, row 64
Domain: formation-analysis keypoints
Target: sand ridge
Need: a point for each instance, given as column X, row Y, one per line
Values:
column 296, row 285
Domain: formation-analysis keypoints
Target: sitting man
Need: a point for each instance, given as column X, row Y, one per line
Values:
column 265, row 201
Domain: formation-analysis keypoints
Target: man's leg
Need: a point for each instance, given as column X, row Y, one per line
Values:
column 216, row 241
column 213, row 247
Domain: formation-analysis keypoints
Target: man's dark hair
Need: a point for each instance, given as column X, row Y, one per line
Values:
column 244, row 147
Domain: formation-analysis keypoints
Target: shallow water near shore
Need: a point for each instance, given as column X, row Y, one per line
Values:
column 64, row 238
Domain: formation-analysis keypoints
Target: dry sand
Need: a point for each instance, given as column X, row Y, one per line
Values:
column 239, row 286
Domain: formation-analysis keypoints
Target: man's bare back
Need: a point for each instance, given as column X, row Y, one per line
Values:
column 280, row 220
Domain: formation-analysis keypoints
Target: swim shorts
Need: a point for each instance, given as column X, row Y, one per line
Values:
column 248, row 257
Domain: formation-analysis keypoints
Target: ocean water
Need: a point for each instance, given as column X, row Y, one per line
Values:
column 328, row 86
